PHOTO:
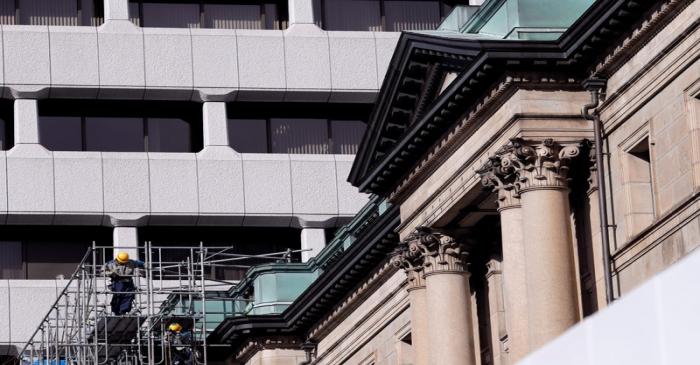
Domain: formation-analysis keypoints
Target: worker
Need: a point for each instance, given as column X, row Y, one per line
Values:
column 180, row 345
column 121, row 271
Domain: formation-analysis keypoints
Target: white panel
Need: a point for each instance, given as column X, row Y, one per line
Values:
column 121, row 57
column 267, row 183
column 220, row 177
column 30, row 181
column 353, row 61
column 29, row 296
column 78, row 182
column 313, row 185
column 74, row 56
column 214, row 58
column 260, row 61
column 173, row 180
column 26, row 53
column 385, row 45
column 307, row 65
column 350, row 200
column 168, row 60
column 126, row 186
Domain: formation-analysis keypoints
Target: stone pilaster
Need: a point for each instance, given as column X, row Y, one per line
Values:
column 409, row 258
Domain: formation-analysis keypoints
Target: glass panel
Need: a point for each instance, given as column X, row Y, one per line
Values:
column 134, row 15
column 299, row 136
column 60, row 133
column 248, row 135
column 170, row 15
column 352, row 15
column 91, row 12
column 48, row 12
column 48, row 264
column 232, row 16
column 169, row 135
column 11, row 260
column 4, row 141
column 346, row 136
column 411, row 15
column 7, row 12
column 114, row 134
column 271, row 17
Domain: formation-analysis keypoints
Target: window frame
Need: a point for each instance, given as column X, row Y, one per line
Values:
column 97, row 5
column 442, row 4
column 138, row 109
column 280, row 23
column 329, row 111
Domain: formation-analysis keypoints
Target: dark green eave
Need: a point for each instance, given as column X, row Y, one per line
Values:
column 371, row 248
column 401, row 130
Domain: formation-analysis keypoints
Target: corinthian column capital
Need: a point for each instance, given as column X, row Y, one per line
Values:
column 540, row 165
column 501, row 179
column 428, row 251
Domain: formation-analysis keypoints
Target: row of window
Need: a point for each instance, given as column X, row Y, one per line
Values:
column 351, row 15
column 167, row 126
column 55, row 251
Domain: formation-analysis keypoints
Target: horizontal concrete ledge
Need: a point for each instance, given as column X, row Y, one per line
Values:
column 120, row 60
column 215, row 187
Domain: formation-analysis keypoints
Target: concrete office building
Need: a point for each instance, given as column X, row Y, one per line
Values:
column 527, row 164
column 178, row 122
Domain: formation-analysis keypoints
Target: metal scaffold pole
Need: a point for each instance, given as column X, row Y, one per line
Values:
column 172, row 285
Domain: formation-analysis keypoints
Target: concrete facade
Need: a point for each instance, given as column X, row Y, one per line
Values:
column 216, row 186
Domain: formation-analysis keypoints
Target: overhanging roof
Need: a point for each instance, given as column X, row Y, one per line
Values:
column 401, row 129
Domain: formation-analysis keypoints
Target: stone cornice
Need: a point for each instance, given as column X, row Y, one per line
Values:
column 256, row 345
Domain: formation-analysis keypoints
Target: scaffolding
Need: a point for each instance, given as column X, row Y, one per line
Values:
column 176, row 285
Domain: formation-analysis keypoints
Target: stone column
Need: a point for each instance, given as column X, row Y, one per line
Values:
column 410, row 260
column 26, row 122
column 116, row 10
column 214, row 124
column 502, row 178
column 448, row 297
column 313, row 239
column 301, row 12
column 125, row 239
column 542, row 184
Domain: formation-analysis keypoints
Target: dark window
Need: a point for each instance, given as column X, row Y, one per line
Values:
column 6, row 124
column 248, row 135
column 120, row 126
column 46, row 252
column 297, row 127
column 61, row 133
column 52, row 12
column 352, row 15
column 385, row 15
column 221, row 14
column 170, row 15
column 169, row 135
column 114, row 134
column 346, row 136
column 299, row 136
column 244, row 240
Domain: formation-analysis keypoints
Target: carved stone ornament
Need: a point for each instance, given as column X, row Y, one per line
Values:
column 528, row 165
column 501, row 180
column 428, row 251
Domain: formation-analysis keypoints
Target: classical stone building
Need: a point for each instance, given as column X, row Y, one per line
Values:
column 529, row 163
column 536, row 168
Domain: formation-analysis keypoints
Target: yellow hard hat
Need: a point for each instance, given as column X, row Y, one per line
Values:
column 175, row 327
column 122, row 258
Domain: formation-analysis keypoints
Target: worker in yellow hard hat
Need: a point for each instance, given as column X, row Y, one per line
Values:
column 121, row 271
column 181, row 349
